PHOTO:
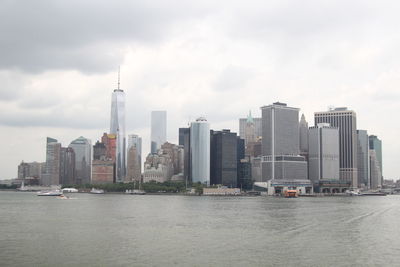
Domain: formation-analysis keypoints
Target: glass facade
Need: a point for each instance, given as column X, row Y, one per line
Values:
column 117, row 127
column 200, row 151
column 158, row 129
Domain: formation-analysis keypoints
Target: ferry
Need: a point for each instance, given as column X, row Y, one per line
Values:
column 291, row 193
column 96, row 191
column 50, row 193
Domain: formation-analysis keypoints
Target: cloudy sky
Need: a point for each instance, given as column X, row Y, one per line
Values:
column 59, row 62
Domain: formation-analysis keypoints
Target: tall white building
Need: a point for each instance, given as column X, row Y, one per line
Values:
column 158, row 129
column 346, row 121
column 280, row 143
column 117, row 127
column 323, row 157
column 200, row 151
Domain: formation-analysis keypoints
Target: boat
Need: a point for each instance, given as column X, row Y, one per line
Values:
column 135, row 192
column 70, row 190
column 373, row 194
column 291, row 193
column 353, row 192
column 96, row 191
column 63, row 197
column 50, row 193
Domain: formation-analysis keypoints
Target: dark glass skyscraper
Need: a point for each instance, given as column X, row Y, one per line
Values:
column 223, row 154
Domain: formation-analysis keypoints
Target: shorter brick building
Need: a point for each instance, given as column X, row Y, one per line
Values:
column 103, row 172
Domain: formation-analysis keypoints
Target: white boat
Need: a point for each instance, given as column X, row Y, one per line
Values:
column 96, row 191
column 50, row 193
column 70, row 190
column 135, row 192
column 353, row 192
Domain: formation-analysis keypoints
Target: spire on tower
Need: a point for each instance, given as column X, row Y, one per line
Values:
column 119, row 72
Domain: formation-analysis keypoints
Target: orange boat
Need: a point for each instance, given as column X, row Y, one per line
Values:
column 291, row 193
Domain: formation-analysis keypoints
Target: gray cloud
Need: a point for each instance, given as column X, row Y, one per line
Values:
column 83, row 35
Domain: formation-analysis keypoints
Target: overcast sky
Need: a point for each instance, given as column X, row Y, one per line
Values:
column 59, row 62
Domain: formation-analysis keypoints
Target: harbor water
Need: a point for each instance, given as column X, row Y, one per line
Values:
column 174, row 230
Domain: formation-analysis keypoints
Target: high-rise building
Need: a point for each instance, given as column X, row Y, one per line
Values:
column 103, row 164
column 303, row 138
column 110, row 142
column 375, row 170
column 158, row 129
column 363, row 158
column 250, row 130
column 345, row 120
column 134, row 169
column 30, row 169
column 67, row 166
column 280, row 144
column 83, row 159
column 136, row 141
column 184, row 140
column 376, row 144
column 257, row 127
column 200, row 151
column 117, row 127
column 103, row 171
column 51, row 175
column 323, row 149
column 223, row 154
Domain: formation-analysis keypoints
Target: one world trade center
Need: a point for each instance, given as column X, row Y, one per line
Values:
column 117, row 127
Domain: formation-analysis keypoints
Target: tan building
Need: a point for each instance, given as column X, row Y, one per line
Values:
column 133, row 166
column 102, row 172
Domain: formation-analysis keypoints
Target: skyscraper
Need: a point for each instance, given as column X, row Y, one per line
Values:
column 67, row 166
column 136, row 141
column 224, row 160
column 158, row 129
column 280, row 143
column 376, row 144
column 345, row 120
column 200, row 151
column 375, row 170
column 51, row 175
column 303, row 131
column 184, row 140
column 363, row 158
column 257, row 127
column 323, row 149
column 117, row 127
column 83, row 159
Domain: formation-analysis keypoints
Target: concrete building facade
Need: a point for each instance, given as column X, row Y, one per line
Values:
column 323, row 152
column 346, row 121
column 280, row 143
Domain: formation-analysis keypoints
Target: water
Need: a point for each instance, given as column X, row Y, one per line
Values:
column 157, row 230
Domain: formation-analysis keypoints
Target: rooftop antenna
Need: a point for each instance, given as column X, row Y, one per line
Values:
column 119, row 71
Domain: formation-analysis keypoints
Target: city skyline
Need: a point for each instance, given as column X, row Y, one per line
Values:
column 194, row 63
